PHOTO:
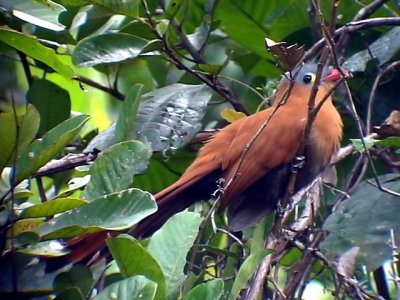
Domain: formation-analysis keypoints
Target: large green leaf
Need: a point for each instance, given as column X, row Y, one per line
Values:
column 171, row 244
column 43, row 150
column 23, row 128
column 168, row 118
column 107, row 48
column 135, row 287
column 210, row 290
column 127, row 113
column 52, row 102
column 132, row 259
column 114, row 169
column 51, row 207
column 366, row 220
column 124, row 7
column 379, row 51
column 246, row 270
column 30, row 46
column 116, row 211
column 44, row 15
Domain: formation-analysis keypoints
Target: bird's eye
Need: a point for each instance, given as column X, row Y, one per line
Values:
column 308, row 77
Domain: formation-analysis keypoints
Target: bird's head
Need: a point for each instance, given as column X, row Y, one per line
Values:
column 303, row 78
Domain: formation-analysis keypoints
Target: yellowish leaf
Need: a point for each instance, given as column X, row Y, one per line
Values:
column 231, row 115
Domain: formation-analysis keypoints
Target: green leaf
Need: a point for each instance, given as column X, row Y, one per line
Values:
column 127, row 113
column 114, row 169
column 116, row 211
column 46, row 249
column 22, row 190
column 380, row 51
column 30, row 46
column 171, row 244
column 246, row 270
column 357, row 143
column 27, row 125
column 79, row 277
column 44, row 15
column 210, row 290
column 168, row 118
column 51, row 207
column 43, row 150
column 52, row 102
column 123, row 7
column 366, row 220
column 132, row 259
column 136, row 287
column 107, row 48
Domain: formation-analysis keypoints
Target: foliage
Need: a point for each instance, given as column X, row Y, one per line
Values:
column 163, row 70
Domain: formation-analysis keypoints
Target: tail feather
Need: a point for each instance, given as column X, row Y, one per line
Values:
column 170, row 201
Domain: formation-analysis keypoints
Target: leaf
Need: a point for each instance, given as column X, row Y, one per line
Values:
column 288, row 56
column 46, row 249
column 168, row 118
column 79, row 276
column 246, row 271
column 357, row 143
column 116, row 211
column 52, row 102
column 127, row 113
column 31, row 47
column 210, row 290
column 45, row 16
column 20, row 191
column 381, row 51
column 107, row 48
column 231, row 115
column 171, row 244
column 43, row 150
column 128, row 8
column 51, row 207
column 114, row 169
column 132, row 259
column 27, row 125
column 135, row 287
column 365, row 220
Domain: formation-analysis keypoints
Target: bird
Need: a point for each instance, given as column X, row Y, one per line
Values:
column 249, row 162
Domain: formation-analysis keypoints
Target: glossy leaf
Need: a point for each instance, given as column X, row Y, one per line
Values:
column 167, row 118
column 135, row 287
column 128, row 8
column 366, row 220
column 116, row 211
column 43, row 150
column 171, row 244
column 380, row 51
column 210, row 290
column 246, row 270
column 51, row 208
column 52, row 102
column 114, row 169
column 31, row 47
column 27, row 126
column 107, row 48
column 44, row 15
column 127, row 113
column 132, row 259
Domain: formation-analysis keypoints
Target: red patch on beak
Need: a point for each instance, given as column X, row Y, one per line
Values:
column 335, row 75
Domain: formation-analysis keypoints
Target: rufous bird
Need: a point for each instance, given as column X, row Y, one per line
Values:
column 251, row 169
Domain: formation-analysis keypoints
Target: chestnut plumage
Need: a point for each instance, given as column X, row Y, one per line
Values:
column 258, row 178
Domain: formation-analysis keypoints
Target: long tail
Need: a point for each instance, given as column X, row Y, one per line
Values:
column 170, row 201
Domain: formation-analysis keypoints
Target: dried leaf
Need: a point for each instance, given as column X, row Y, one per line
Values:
column 289, row 56
column 391, row 127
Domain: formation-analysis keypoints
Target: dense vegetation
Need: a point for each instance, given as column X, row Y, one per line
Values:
column 163, row 71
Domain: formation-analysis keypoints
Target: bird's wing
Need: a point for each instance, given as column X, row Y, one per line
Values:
column 277, row 144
